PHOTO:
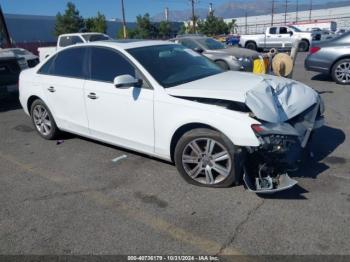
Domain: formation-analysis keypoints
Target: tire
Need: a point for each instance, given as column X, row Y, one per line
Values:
column 251, row 46
column 43, row 120
column 223, row 65
column 341, row 72
column 303, row 46
column 205, row 171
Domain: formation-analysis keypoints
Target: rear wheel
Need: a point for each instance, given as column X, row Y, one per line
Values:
column 341, row 72
column 205, row 157
column 303, row 46
column 43, row 120
column 251, row 46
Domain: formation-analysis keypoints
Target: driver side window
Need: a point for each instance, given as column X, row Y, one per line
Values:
column 273, row 30
column 106, row 64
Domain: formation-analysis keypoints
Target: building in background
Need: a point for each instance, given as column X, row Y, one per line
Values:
column 258, row 24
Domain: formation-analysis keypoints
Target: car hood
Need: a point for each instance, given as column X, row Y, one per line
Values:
column 237, row 52
column 272, row 99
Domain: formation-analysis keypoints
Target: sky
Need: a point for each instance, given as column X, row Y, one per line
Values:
column 110, row 8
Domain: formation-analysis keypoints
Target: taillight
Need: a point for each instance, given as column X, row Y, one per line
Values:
column 314, row 49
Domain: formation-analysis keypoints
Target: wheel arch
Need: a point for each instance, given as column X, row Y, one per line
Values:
column 182, row 130
column 30, row 101
column 347, row 56
column 250, row 41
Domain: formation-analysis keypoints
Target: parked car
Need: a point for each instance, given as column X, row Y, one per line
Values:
column 233, row 40
column 279, row 37
column 321, row 34
column 167, row 101
column 227, row 57
column 10, row 68
column 31, row 59
column 332, row 58
column 70, row 39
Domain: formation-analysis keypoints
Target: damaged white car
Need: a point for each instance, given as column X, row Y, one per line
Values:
column 167, row 101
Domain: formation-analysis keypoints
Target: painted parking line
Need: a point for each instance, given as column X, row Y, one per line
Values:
column 156, row 223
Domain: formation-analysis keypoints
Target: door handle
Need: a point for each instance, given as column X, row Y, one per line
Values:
column 268, row 36
column 92, row 96
column 51, row 89
column 279, row 36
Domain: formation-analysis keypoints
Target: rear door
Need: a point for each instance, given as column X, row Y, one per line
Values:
column 62, row 79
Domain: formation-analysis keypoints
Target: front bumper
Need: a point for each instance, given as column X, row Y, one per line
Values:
column 281, row 149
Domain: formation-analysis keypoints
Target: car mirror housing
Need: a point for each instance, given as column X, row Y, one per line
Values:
column 291, row 33
column 126, row 81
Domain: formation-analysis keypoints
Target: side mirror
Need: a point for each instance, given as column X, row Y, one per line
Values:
column 126, row 81
column 199, row 50
column 291, row 33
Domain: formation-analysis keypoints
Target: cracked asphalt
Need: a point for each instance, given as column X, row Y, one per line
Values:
column 71, row 198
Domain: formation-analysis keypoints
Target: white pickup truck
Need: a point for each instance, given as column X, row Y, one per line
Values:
column 279, row 37
column 70, row 39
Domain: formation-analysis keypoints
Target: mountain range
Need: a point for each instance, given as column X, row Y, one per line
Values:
column 252, row 7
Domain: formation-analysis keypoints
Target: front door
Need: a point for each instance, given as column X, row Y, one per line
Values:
column 121, row 116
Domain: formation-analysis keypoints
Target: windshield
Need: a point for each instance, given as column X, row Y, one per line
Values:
column 295, row 28
column 173, row 65
column 96, row 37
column 211, row 44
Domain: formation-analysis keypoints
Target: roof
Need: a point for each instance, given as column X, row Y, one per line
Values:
column 129, row 43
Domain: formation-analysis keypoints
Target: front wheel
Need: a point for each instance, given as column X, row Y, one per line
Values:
column 341, row 72
column 205, row 157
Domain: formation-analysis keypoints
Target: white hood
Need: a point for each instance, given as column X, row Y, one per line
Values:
column 272, row 99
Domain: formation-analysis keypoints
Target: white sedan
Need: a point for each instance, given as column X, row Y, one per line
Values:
column 167, row 101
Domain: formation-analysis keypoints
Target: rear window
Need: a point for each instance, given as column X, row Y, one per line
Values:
column 70, row 40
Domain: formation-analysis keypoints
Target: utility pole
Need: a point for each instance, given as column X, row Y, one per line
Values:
column 296, row 12
column 285, row 12
column 124, row 23
column 310, row 14
column 193, row 17
column 246, row 22
column 210, row 8
column 166, row 13
column 272, row 11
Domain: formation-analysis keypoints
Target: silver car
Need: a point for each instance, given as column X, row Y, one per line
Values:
column 332, row 58
column 227, row 57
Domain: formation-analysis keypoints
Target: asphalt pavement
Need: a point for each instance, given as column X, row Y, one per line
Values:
column 71, row 198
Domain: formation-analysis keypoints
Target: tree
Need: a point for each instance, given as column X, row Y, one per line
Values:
column 164, row 29
column 96, row 24
column 214, row 26
column 69, row 22
column 145, row 28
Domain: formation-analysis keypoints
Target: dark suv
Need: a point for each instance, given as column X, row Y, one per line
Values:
column 10, row 68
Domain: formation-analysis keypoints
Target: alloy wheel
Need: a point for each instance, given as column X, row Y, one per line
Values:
column 42, row 120
column 206, row 161
column 342, row 72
